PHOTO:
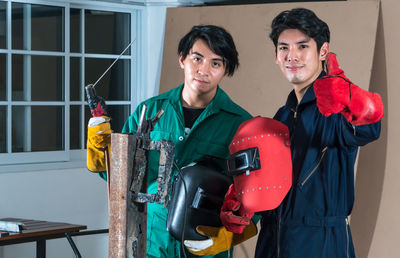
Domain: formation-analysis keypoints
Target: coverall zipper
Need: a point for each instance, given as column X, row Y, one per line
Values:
column 315, row 168
column 278, row 249
column 347, row 237
column 294, row 123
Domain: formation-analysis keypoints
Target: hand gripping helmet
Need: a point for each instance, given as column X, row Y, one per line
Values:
column 261, row 163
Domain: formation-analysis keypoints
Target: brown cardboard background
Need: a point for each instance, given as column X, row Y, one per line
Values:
column 353, row 35
column 260, row 88
column 375, row 219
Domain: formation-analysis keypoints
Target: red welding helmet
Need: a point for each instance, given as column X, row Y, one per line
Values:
column 261, row 163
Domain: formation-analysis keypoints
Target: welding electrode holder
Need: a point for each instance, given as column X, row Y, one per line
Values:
column 97, row 105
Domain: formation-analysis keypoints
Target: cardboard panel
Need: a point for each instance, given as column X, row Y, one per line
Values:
column 258, row 85
column 375, row 221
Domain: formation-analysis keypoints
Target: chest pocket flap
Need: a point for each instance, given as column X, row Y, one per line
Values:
column 206, row 148
column 160, row 135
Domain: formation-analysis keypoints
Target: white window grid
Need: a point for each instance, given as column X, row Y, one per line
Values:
column 7, row 160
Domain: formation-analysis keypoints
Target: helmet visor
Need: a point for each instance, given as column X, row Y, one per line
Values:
column 244, row 161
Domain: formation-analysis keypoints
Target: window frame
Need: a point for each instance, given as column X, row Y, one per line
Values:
column 69, row 158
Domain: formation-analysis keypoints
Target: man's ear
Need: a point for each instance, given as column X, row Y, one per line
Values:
column 323, row 53
column 181, row 60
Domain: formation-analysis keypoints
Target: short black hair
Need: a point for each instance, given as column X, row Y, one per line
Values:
column 219, row 41
column 304, row 20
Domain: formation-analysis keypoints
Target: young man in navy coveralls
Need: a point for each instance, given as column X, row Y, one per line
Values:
column 329, row 118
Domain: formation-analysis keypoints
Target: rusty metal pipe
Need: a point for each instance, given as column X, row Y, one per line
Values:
column 127, row 219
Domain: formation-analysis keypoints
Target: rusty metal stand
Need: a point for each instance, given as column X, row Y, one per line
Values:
column 128, row 194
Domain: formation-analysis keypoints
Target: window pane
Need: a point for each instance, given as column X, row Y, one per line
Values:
column 3, row 25
column 106, row 32
column 47, row 28
column 47, row 128
column 37, row 128
column 3, row 74
column 3, row 128
column 75, row 79
column 115, row 83
column 17, row 28
column 75, row 127
column 20, row 132
column 18, row 75
column 37, row 27
column 119, row 114
column 75, row 30
column 46, row 80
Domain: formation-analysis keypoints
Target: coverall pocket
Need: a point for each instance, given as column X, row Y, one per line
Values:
column 159, row 241
column 316, row 165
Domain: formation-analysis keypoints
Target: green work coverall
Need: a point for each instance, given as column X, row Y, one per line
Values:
column 210, row 135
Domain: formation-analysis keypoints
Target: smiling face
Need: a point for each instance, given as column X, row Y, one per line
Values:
column 298, row 58
column 203, row 71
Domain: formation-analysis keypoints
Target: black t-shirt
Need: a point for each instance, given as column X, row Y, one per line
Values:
column 190, row 115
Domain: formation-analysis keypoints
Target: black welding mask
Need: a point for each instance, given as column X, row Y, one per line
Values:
column 197, row 196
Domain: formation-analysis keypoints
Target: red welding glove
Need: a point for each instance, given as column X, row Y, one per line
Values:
column 231, row 216
column 336, row 93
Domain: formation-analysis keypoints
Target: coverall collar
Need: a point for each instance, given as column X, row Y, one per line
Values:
column 308, row 97
column 221, row 101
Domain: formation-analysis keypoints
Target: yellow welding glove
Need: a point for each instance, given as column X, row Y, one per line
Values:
column 220, row 239
column 98, row 140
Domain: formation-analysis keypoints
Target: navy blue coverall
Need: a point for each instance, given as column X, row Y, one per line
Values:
column 312, row 220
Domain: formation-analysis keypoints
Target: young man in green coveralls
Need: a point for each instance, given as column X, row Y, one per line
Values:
column 200, row 119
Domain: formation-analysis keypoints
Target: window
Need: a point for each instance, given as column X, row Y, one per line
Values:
column 48, row 53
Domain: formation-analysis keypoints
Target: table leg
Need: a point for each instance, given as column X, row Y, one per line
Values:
column 41, row 249
column 73, row 246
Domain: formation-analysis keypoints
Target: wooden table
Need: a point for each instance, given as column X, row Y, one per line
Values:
column 40, row 231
